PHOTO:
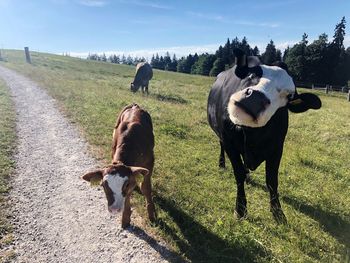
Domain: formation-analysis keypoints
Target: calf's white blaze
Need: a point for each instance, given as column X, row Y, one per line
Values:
column 276, row 84
column 115, row 183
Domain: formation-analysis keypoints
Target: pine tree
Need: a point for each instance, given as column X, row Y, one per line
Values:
column 167, row 61
column 339, row 34
column 256, row 51
column 218, row 67
column 103, row 57
column 270, row 54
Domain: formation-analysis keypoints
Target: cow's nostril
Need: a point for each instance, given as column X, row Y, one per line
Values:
column 248, row 92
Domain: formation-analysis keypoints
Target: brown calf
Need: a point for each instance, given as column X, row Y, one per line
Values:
column 132, row 155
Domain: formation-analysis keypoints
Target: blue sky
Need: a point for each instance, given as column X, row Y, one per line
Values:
column 143, row 27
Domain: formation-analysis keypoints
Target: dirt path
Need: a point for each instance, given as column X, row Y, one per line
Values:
column 57, row 216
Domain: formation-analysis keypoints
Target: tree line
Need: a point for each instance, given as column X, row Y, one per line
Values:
column 319, row 62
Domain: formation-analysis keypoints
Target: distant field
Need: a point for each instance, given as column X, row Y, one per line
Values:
column 7, row 144
column 195, row 199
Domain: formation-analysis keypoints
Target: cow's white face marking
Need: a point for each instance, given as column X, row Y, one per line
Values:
column 115, row 183
column 276, row 85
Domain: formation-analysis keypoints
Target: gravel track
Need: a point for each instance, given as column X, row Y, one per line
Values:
column 56, row 216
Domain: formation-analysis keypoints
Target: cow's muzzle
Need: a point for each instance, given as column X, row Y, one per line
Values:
column 253, row 102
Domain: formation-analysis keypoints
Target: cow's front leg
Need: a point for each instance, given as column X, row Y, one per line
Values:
column 126, row 212
column 146, row 88
column 146, row 189
column 272, row 166
column 222, row 156
column 240, row 175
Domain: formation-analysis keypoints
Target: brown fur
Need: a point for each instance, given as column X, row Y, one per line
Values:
column 132, row 154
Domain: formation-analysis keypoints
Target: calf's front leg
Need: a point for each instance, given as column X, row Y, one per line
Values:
column 146, row 189
column 126, row 212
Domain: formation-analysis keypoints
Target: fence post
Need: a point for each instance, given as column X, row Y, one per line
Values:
column 349, row 95
column 26, row 51
column 312, row 86
column 327, row 87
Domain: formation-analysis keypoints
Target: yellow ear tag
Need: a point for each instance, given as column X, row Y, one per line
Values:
column 295, row 102
column 95, row 181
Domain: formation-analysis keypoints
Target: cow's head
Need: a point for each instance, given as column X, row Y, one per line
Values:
column 118, row 181
column 133, row 87
column 264, row 90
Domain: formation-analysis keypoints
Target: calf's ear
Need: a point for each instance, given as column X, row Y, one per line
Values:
column 139, row 170
column 303, row 102
column 94, row 177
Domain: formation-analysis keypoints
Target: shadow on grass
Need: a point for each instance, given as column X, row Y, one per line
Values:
column 170, row 98
column 331, row 222
column 198, row 244
column 166, row 254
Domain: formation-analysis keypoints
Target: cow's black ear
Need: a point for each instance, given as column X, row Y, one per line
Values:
column 253, row 61
column 241, row 62
column 303, row 102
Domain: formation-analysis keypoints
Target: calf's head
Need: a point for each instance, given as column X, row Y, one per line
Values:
column 117, row 181
column 265, row 89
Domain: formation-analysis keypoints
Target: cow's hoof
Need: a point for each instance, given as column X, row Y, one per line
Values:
column 222, row 165
column 279, row 216
column 240, row 215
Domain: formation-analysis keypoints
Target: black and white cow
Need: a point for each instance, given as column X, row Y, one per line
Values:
column 248, row 110
column 143, row 75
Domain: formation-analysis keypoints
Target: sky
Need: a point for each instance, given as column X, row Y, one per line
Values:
column 145, row 27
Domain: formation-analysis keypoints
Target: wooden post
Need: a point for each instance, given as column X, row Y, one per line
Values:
column 349, row 95
column 312, row 86
column 26, row 51
column 327, row 87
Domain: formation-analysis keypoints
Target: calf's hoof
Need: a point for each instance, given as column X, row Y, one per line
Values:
column 125, row 224
column 152, row 215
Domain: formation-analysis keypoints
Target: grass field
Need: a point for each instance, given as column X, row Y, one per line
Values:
column 7, row 144
column 195, row 199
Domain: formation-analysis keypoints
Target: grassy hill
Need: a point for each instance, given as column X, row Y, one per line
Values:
column 195, row 199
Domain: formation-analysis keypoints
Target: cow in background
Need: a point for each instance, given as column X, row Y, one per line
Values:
column 248, row 110
column 144, row 74
column 132, row 155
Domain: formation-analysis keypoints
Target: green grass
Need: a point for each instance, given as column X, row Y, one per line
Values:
column 7, row 144
column 195, row 199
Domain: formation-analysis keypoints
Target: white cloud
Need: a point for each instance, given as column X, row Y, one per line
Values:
column 151, row 4
column 259, row 24
column 93, row 3
column 214, row 17
column 222, row 19
column 179, row 51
